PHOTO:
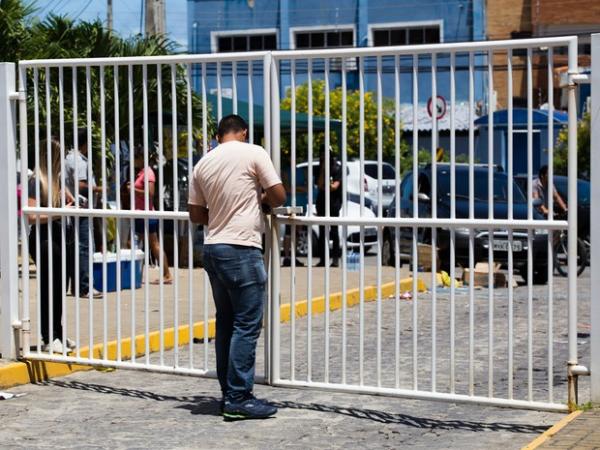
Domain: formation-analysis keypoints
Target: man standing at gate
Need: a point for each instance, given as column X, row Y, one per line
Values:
column 227, row 189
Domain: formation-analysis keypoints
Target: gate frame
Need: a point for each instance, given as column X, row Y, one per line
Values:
column 9, row 280
column 595, row 221
column 9, row 301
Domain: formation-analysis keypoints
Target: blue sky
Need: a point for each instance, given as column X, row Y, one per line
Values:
column 126, row 14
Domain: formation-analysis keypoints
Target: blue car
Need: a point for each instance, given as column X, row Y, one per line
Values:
column 500, row 242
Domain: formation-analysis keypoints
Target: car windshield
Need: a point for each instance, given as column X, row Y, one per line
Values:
column 481, row 186
column 388, row 171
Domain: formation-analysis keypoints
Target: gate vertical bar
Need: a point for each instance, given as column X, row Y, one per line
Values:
column 572, row 230
column 8, row 202
column 271, row 143
column 595, row 221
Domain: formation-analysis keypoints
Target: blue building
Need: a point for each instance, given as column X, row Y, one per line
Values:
column 253, row 25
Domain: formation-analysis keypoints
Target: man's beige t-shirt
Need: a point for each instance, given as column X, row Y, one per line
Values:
column 228, row 181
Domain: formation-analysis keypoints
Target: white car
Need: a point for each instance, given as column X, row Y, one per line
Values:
column 353, row 236
column 369, row 184
column 352, row 209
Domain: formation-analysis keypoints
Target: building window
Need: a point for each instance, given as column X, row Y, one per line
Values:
column 244, row 43
column 324, row 39
column 410, row 35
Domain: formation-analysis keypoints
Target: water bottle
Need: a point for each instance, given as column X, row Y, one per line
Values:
column 353, row 262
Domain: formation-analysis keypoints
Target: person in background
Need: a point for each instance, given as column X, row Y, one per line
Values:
column 335, row 204
column 82, row 188
column 287, row 238
column 540, row 190
column 143, row 173
column 49, row 255
column 226, row 193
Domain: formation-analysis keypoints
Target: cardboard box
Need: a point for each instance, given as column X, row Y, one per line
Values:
column 481, row 276
column 425, row 257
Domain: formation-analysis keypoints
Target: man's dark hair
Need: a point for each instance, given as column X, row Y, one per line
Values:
column 543, row 171
column 81, row 137
column 231, row 124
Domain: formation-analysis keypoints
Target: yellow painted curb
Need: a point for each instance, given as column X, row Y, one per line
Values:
column 552, row 430
column 18, row 373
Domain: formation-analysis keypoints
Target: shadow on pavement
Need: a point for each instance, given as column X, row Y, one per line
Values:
column 209, row 405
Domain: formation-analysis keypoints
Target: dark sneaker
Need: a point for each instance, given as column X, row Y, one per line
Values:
column 251, row 408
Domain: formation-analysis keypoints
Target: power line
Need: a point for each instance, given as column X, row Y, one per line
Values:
column 83, row 9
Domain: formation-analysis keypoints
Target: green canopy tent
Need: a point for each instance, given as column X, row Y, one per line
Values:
column 285, row 119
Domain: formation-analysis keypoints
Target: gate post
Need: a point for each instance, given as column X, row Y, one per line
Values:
column 9, row 275
column 273, row 374
column 595, row 221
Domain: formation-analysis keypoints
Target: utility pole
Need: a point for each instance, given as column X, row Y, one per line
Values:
column 155, row 17
column 109, row 14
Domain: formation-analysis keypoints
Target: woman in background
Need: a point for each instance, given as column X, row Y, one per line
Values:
column 143, row 173
column 49, row 255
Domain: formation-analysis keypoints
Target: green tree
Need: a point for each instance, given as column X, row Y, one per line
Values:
column 353, row 124
column 561, row 153
column 14, row 30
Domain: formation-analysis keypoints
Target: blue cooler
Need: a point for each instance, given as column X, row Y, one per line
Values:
column 111, row 270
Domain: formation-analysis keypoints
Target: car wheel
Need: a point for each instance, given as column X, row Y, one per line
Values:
column 444, row 259
column 387, row 251
column 540, row 276
column 302, row 242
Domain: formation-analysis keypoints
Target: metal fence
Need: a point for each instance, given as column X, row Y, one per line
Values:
column 461, row 347
column 457, row 344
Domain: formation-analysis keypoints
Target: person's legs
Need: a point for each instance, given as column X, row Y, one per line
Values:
column 42, row 271
column 336, row 251
column 224, row 319
column 159, row 255
column 57, row 287
column 247, row 302
column 323, row 240
column 84, row 254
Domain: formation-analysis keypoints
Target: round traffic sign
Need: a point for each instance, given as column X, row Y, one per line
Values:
column 440, row 107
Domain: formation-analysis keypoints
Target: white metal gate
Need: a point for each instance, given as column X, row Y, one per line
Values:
column 147, row 109
column 458, row 344
column 490, row 346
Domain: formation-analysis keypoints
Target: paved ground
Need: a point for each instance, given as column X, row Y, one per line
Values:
column 583, row 433
column 142, row 410
column 190, row 285
column 126, row 409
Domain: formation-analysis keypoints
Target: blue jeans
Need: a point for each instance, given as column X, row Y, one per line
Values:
column 238, row 279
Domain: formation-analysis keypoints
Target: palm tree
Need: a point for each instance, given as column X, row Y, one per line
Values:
column 14, row 28
column 61, row 37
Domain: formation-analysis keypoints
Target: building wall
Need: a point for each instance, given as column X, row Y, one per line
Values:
column 508, row 19
column 460, row 21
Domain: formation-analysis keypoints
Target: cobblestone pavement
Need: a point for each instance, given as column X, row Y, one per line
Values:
column 583, row 433
column 126, row 409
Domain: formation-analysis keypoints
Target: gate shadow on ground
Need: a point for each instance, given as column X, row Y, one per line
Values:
column 209, row 405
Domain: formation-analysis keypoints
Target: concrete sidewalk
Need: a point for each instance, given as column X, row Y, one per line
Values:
column 579, row 430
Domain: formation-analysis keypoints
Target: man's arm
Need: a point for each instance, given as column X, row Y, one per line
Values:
column 198, row 214
column 558, row 199
column 274, row 196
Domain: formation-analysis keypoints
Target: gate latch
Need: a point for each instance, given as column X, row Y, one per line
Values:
column 288, row 211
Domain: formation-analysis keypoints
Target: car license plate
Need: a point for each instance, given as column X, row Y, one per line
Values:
column 503, row 246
